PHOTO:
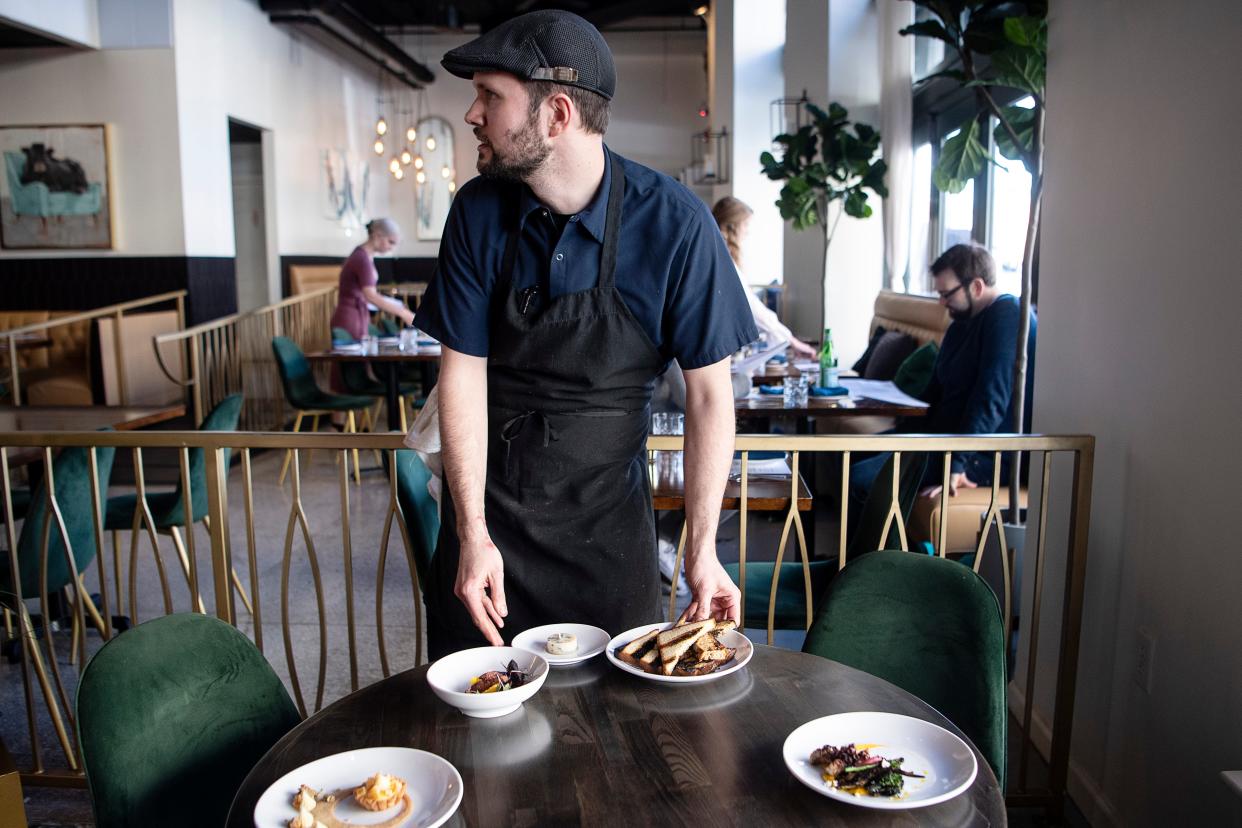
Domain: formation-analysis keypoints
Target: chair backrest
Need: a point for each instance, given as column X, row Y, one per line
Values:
column 171, row 717
column 865, row 537
column 422, row 513
column 295, row 373
column 224, row 417
column 389, row 327
column 340, row 336
column 929, row 625
column 71, row 473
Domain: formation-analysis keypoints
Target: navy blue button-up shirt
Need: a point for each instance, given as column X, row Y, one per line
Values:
column 673, row 269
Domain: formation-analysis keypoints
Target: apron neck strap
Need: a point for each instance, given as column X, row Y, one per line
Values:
column 612, row 228
column 612, row 223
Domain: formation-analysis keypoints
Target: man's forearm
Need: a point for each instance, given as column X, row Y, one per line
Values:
column 709, row 452
column 463, row 436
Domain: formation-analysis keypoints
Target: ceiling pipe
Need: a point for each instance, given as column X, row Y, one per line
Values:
column 348, row 27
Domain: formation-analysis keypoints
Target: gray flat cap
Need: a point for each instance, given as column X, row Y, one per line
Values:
column 545, row 45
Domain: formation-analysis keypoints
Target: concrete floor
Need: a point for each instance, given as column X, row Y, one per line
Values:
column 321, row 502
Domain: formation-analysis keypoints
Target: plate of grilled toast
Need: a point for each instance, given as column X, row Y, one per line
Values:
column 688, row 653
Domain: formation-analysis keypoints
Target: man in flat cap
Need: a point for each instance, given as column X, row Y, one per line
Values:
column 569, row 278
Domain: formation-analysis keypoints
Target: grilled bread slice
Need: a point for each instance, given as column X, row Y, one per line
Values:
column 676, row 641
column 724, row 626
column 641, row 652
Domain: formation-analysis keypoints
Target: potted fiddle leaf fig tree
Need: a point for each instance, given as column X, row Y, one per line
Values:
column 995, row 45
column 828, row 170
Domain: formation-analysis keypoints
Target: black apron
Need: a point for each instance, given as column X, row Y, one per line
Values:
column 567, row 501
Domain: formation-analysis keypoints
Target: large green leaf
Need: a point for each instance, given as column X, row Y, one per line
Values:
column 961, row 159
column 1020, row 67
column 856, row 204
column 1027, row 31
column 1023, row 122
column 930, row 28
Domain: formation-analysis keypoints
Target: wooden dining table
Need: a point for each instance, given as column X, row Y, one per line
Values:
column 597, row 746
column 386, row 361
column 79, row 418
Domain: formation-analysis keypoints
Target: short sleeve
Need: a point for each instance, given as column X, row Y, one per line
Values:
column 455, row 308
column 706, row 315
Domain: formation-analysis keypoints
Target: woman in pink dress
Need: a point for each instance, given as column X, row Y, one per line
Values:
column 358, row 279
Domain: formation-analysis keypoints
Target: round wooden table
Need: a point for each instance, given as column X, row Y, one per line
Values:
column 596, row 746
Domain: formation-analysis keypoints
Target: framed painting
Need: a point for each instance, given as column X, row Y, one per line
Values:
column 56, row 190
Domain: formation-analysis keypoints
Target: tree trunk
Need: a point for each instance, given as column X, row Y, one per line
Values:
column 1024, row 332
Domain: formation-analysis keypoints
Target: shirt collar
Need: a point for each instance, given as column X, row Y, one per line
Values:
column 594, row 216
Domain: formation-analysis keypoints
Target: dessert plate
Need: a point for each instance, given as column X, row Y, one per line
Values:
column 433, row 786
column 591, row 642
column 947, row 763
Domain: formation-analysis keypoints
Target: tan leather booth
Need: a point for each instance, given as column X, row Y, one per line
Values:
column 59, row 374
column 922, row 317
column 309, row 278
column 966, row 512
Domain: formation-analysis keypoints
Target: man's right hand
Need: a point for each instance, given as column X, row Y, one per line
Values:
column 481, row 586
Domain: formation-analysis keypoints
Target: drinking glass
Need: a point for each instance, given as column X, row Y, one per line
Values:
column 796, row 390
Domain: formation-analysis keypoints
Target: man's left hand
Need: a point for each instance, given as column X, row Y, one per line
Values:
column 957, row 481
column 713, row 593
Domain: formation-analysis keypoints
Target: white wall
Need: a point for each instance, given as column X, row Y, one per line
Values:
column 232, row 62
column 757, row 78
column 831, row 51
column 133, row 90
column 70, row 21
column 1138, row 344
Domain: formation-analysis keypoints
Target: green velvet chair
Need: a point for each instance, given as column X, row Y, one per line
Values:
column 930, row 626
column 171, row 717
column 71, row 472
column 309, row 400
column 422, row 513
column 168, row 508
column 790, row 603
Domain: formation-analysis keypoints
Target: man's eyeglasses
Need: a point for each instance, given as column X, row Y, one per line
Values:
column 945, row 294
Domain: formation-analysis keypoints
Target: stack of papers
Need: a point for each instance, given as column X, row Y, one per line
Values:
column 777, row 467
column 880, row 390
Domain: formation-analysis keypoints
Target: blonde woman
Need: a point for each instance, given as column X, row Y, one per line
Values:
column 733, row 217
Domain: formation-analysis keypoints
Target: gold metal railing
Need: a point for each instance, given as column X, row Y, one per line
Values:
column 227, row 548
column 115, row 312
column 233, row 354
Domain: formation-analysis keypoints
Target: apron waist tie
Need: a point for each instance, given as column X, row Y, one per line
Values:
column 514, row 426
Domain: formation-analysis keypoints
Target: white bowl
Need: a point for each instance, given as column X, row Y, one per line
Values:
column 450, row 676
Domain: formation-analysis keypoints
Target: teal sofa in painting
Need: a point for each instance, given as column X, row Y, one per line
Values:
column 35, row 199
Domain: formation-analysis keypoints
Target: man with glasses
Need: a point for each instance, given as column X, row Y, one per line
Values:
column 972, row 388
column 971, row 391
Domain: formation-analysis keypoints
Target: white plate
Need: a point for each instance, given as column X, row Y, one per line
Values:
column 947, row 762
column 451, row 675
column 591, row 642
column 433, row 785
column 732, row 638
column 348, row 347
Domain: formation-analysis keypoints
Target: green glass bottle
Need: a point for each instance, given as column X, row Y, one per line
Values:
column 827, row 360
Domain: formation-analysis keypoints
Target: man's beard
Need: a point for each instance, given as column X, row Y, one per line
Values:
column 527, row 154
column 962, row 314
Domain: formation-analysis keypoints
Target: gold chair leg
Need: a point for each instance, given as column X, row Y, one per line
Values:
column 297, row 425
column 185, row 566
column 405, row 429
column 369, row 424
column 74, row 636
column 310, row 453
column 350, row 429
column 8, row 623
column 91, row 609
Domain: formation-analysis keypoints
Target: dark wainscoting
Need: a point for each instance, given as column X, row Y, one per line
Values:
column 400, row 269
column 93, row 282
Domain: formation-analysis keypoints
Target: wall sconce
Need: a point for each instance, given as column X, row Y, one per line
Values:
column 709, row 156
column 788, row 115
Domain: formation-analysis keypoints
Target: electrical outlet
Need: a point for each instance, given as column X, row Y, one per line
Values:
column 1145, row 656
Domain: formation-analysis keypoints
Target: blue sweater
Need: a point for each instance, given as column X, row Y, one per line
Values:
column 972, row 389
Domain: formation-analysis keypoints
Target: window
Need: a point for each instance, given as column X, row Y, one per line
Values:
column 920, row 218
column 1008, row 208
column 957, row 212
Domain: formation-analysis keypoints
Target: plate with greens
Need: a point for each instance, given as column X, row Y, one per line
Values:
column 880, row 760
